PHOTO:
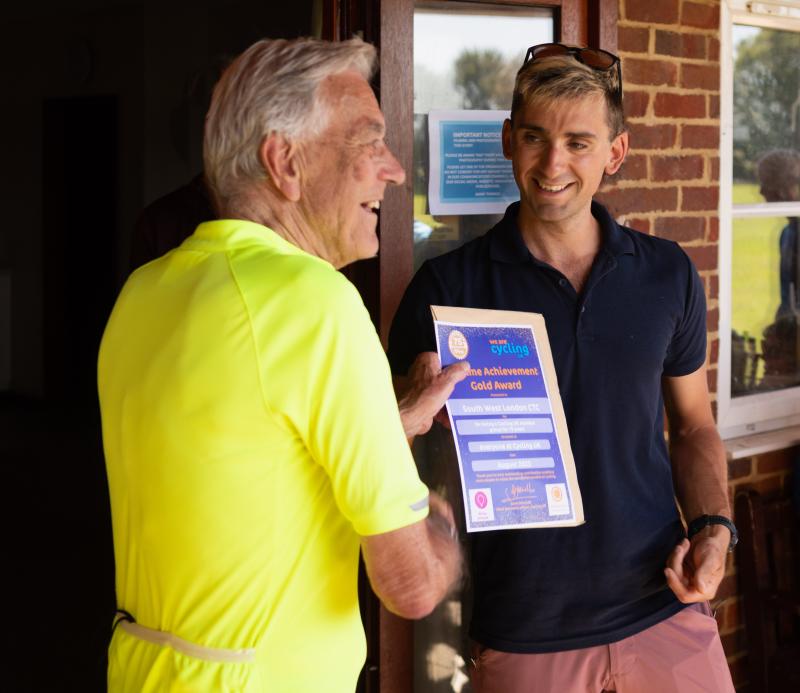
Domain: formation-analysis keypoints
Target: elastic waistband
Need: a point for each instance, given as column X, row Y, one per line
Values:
column 208, row 654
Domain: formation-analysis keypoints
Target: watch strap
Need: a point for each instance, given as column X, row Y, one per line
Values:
column 704, row 521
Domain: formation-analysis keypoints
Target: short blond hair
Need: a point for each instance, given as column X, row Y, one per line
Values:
column 273, row 87
column 562, row 77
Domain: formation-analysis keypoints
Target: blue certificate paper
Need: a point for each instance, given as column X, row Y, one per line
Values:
column 517, row 469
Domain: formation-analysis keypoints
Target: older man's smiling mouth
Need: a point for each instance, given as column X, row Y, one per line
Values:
column 372, row 205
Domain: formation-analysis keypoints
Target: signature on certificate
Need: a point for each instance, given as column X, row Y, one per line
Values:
column 517, row 491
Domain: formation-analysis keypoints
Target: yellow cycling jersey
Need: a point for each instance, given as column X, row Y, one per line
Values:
column 251, row 435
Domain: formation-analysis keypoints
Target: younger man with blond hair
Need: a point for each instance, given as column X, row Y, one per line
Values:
column 602, row 606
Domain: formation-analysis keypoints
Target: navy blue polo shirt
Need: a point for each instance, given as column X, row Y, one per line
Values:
column 640, row 316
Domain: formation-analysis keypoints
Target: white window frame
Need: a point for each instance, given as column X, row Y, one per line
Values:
column 766, row 411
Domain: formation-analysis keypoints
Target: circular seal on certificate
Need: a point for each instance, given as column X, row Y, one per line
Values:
column 457, row 343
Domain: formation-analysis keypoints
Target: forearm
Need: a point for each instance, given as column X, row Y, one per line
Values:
column 414, row 589
column 700, row 471
column 412, row 569
column 695, row 569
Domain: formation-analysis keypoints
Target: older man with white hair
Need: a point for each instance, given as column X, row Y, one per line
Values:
column 252, row 438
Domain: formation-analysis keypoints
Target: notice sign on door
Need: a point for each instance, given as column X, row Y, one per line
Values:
column 468, row 172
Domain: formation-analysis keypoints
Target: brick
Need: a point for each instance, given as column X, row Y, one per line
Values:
column 713, row 290
column 634, row 168
column 700, row 76
column 668, row 42
column 712, row 322
column 727, row 588
column 635, row 103
column 680, row 229
column 680, row 105
column 713, row 105
column 660, row 12
column 770, row 486
column 713, row 48
column 626, row 200
column 700, row 137
column 658, row 72
column 713, row 287
column 701, row 199
column 714, row 161
column 704, row 257
column 692, row 46
column 733, row 614
column 778, row 461
column 711, row 377
column 700, row 16
column 713, row 352
column 639, row 223
column 652, row 136
column 667, row 168
column 633, row 39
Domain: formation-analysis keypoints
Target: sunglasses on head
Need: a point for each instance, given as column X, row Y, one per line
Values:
column 595, row 58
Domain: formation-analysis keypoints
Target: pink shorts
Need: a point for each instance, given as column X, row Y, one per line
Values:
column 680, row 655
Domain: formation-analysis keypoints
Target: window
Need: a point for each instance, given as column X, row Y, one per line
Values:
column 759, row 363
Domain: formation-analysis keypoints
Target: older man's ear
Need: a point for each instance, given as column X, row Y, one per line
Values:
column 280, row 158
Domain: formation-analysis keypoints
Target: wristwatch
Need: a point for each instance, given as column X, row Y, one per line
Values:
column 705, row 520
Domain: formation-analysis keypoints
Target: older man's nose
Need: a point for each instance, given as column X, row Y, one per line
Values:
column 391, row 171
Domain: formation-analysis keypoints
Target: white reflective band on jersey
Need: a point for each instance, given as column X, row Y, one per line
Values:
column 208, row 654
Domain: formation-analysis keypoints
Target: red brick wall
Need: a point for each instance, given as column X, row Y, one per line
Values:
column 669, row 187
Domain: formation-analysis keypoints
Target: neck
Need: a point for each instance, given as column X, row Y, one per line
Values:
column 569, row 245
column 562, row 242
column 280, row 215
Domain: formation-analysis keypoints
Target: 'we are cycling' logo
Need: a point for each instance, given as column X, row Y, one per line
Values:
column 502, row 347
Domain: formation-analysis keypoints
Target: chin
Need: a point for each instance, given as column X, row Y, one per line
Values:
column 364, row 251
column 369, row 248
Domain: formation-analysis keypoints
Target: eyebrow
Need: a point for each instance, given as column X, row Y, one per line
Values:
column 368, row 126
column 540, row 129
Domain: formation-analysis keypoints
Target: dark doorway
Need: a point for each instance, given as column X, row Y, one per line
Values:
column 102, row 112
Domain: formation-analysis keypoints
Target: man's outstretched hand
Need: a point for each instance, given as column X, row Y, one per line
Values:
column 428, row 387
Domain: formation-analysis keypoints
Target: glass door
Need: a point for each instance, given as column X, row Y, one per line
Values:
column 439, row 57
column 466, row 56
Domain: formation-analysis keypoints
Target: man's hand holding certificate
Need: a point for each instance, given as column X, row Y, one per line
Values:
column 511, row 437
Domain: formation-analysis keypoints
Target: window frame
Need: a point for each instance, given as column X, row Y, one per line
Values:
column 765, row 411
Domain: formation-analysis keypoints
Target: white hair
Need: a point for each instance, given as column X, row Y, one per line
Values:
column 271, row 88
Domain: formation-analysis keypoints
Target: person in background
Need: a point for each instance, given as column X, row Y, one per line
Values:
column 252, row 437
column 778, row 174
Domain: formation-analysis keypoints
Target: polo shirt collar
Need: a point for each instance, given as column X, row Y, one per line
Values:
column 506, row 244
